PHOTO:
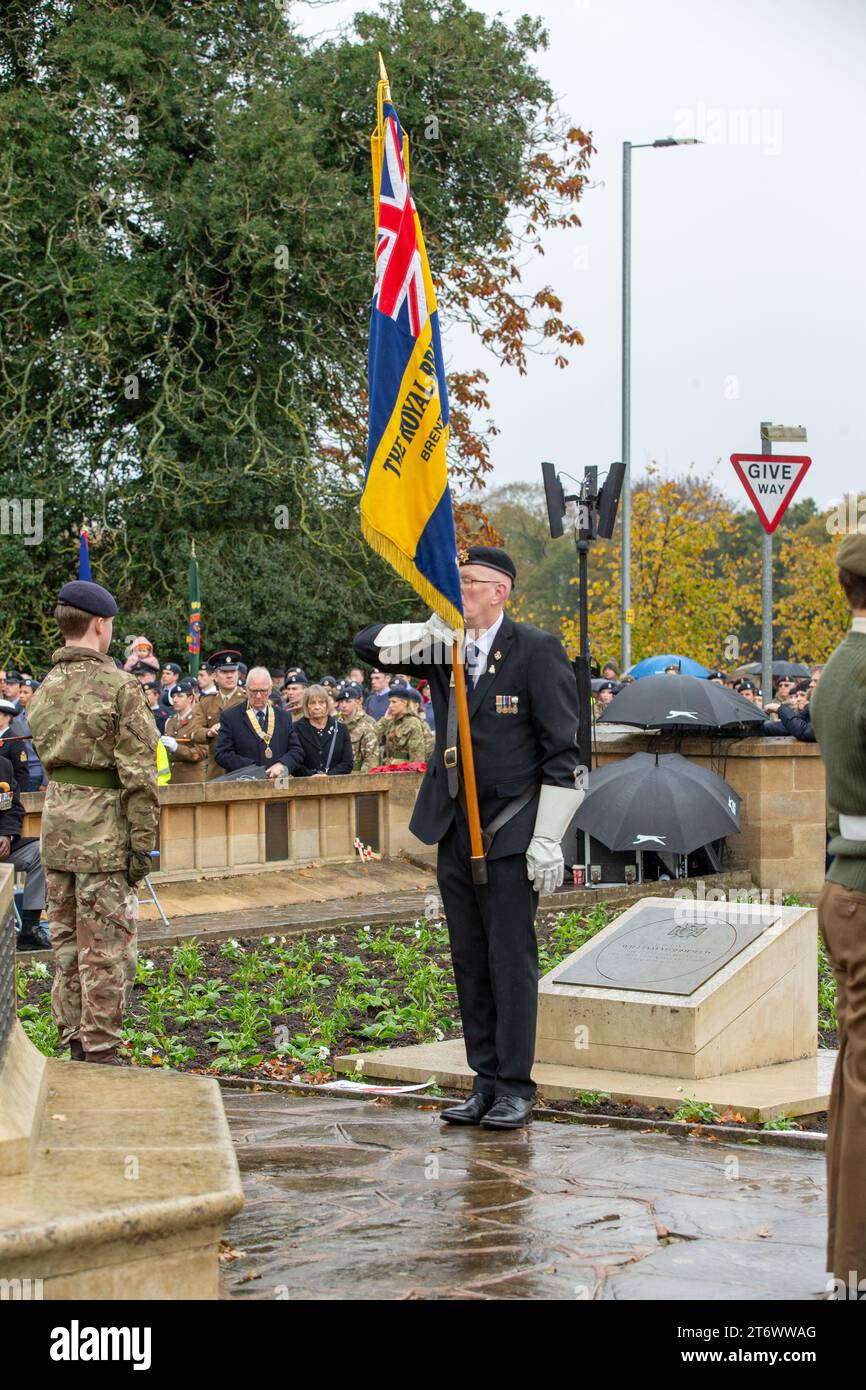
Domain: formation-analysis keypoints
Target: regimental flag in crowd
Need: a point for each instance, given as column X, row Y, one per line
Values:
column 406, row 511
column 84, row 556
column 193, row 640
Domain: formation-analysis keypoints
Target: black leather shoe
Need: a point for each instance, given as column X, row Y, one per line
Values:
column 33, row 939
column 509, row 1112
column 471, row 1110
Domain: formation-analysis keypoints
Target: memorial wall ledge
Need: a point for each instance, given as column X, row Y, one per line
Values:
column 622, row 738
column 195, row 793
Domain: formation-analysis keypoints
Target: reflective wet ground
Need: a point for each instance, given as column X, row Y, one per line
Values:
column 360, row 1199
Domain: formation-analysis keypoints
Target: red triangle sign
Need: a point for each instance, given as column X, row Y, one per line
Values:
column 770, row 481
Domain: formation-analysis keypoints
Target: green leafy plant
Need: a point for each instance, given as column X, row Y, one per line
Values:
column 697, row 1112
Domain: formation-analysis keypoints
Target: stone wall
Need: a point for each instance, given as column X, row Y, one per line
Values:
column 782, row 817
column 244, row 827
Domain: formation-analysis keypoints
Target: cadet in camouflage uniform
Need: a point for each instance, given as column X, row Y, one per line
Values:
column 362, row 729
column 97, row 743
column 403, row 730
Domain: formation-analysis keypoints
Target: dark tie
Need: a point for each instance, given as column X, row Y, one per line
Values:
column 262, row 717
column 470, row 657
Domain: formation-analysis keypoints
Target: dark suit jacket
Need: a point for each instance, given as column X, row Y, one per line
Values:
column 12, row 819
column 316, row 749
column 237, row 745
column 15, row 747
column 536, row 745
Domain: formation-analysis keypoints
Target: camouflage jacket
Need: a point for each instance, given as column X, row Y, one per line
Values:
column 365, row 741
column 88, row 714
column 403, row 739
column 189, row 761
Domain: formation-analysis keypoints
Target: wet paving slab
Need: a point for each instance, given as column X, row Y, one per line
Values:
column 364, row 1199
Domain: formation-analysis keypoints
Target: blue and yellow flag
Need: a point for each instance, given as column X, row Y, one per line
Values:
column 406, row 512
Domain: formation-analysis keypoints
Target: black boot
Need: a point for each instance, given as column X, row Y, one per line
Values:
column 32, row 936
column 76, row 1051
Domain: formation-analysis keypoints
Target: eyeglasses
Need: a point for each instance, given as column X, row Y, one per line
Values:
column 258, row 690
column 472, row 583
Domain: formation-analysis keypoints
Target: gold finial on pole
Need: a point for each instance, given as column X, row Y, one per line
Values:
column 383, row 76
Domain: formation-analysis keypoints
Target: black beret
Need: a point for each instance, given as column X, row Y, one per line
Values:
column 715, row 675
column 90, row 598
column 350, row 691
column 296, row 676
column 14, row 676
column 186, row 686
column 404, row 692
column 329, row 681
column 171, row 666
column 490, row 556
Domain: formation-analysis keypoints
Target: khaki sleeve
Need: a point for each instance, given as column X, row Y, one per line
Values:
column 135, row 759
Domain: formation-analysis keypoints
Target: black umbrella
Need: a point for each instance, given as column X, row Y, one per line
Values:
column 798, row 669
column 680, row 702
column 658, row 801
column 253, row 772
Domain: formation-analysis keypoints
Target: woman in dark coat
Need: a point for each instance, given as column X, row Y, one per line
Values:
column 324, row 739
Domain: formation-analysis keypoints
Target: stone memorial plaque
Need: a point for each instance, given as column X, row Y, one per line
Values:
column 670, row 948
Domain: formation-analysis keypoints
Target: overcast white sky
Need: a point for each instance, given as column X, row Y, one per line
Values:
column 749, row 301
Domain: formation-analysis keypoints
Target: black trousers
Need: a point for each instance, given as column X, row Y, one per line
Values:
column 495, row 956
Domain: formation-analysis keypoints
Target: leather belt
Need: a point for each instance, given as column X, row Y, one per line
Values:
column 508, row 812
column 450, row 754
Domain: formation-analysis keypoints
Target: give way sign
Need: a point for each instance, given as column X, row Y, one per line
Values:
column 771, row 481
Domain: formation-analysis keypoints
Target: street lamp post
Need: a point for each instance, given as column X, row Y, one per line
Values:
column 626, row 616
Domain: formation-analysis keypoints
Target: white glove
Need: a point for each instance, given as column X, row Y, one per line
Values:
column 403, row 643
column 168, row 742
column 544, row 862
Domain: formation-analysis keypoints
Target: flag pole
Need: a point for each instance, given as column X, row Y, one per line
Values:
column 477, row 859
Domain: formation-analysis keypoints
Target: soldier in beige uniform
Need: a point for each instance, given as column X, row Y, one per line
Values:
column 97, row 742
column 226, row 669
column 362, row 729
column 188, row 759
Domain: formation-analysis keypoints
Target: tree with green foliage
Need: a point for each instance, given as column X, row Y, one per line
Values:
column 186, row 252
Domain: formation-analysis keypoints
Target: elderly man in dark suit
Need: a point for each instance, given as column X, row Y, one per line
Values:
column 523, row 715
column 257, row 734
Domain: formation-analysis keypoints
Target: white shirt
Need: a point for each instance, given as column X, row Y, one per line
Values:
column 484, row 645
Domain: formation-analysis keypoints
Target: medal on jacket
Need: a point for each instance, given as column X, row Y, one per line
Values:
column 267, row 734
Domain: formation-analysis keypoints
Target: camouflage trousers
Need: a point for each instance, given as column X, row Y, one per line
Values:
column 92, row 918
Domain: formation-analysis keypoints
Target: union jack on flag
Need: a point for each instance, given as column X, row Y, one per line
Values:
column 399, row 269
column 406, row 511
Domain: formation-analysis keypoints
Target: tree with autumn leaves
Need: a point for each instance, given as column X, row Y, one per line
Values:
column 696, row 565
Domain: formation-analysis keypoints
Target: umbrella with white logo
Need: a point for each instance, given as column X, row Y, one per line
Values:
column 680, row 702
column 658, row 801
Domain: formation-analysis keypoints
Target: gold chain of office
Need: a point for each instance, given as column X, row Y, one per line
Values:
column 266, row 735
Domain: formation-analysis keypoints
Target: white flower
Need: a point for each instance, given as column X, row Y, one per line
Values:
column 269, row 940
column 417, row 933
column 438, row 1035
column 324, row 1052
